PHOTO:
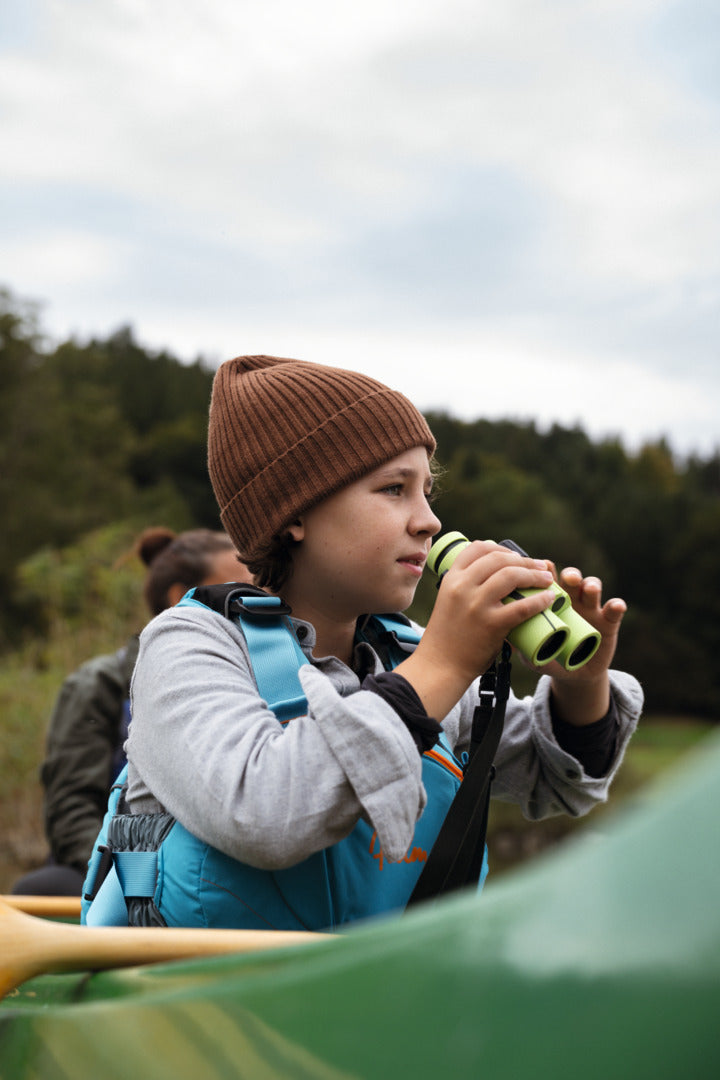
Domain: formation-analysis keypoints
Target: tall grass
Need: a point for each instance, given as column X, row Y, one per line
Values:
column 87, row 599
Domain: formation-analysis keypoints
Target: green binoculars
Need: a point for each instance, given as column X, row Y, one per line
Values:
column 558, row 633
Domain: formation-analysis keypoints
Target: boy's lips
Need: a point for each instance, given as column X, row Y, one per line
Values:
column 415, row 562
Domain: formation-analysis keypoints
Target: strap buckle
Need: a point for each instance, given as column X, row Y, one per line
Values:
column 101, row 865
column 258, row 607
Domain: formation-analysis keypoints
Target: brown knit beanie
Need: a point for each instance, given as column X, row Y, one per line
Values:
column 285, row 434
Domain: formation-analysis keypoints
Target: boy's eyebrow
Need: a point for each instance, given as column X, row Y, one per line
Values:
column 402, row 472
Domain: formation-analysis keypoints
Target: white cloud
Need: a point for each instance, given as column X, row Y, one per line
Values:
column 539, row 178
column 62, row 261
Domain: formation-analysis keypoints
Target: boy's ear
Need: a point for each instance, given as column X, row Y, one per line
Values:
column 296, row 531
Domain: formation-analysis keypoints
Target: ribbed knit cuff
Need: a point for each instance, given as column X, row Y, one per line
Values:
column 593, row 745
column 401, row 696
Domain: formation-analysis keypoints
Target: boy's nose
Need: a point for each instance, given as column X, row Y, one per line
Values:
column 426, row 522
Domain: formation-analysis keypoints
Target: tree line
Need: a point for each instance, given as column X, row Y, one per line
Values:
column 107, row 431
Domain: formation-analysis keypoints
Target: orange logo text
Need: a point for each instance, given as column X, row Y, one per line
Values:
column 415, row 854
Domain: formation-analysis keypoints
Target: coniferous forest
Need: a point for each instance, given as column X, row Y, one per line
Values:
column 106, row 431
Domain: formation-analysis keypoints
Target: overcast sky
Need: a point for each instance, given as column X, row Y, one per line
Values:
column 502, row 209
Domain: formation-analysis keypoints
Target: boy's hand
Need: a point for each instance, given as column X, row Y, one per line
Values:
column 470, row 621
column 586, row 597
column 583, row 696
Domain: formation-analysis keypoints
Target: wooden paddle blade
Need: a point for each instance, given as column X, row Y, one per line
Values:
column 30, row 946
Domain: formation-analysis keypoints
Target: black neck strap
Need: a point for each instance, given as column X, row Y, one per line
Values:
column 457, row 855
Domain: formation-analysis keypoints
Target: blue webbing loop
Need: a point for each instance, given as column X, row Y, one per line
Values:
column 260, row 602
column 136, row 871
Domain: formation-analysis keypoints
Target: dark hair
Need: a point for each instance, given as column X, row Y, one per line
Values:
column 274, row 563
column 177, row 558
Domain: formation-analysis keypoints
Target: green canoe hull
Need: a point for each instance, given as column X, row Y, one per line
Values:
column 599, row 961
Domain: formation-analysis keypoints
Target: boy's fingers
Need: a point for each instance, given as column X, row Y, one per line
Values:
column 614, row 610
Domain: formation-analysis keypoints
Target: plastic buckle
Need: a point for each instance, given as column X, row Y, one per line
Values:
column 260, row 607
column 104, row 866
column 488, row 683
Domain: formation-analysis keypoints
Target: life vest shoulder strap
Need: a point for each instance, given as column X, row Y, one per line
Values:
column 275, row 652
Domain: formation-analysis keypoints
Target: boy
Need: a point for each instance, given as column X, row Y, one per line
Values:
column 323, row 478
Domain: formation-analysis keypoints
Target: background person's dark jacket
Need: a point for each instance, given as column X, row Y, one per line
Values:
column 84, row 752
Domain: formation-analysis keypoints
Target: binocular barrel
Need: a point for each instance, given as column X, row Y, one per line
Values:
column 558, row 633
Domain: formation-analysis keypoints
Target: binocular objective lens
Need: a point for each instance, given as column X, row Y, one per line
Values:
column 583, row 652
column 551, row 647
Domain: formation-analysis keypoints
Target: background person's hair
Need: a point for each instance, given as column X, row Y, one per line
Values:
column 177, row 558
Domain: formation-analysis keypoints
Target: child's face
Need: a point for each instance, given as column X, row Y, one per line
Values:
column 363, row 549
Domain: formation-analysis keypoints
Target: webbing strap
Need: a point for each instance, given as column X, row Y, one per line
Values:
column 403, row 631
column 275, row 655
column 137, row 871
column 387, row 634
column 459, row 854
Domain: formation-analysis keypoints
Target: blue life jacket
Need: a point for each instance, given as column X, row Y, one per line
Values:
column 151, row 866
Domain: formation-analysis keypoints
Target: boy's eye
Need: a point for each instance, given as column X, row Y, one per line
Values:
column 399, row 488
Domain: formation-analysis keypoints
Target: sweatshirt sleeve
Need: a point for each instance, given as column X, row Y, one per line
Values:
column 205, row 747
column 534, row 771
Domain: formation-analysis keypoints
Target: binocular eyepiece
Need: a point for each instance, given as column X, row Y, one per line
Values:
column 558, row 633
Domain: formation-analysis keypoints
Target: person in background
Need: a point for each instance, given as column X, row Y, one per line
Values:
column 89, row 722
